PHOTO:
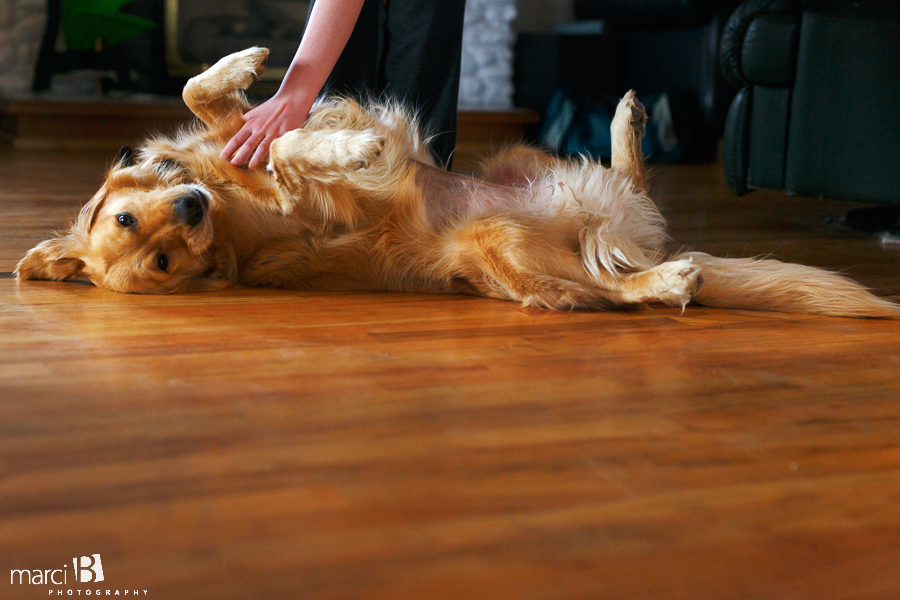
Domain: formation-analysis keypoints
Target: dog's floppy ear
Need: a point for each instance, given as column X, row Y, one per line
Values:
column 126, row 156
column 55, row 259
column 88, row 214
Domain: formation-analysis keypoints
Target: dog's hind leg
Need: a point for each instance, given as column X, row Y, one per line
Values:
column 504, row 259
column 626, row 131
column 218, row 92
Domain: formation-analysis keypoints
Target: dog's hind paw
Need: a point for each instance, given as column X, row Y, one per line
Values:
column 630, row 112
column 678, row 281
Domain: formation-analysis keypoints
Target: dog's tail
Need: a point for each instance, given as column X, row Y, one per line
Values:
column 766, row 284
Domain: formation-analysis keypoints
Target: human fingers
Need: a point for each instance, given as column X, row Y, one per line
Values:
column 253, row 112
column 261, row 151
column 237, row 141
column 246, row 149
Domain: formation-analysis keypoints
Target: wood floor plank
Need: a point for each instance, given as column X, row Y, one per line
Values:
column 273, row 444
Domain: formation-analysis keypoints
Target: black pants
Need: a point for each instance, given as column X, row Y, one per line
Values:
column 408, row 50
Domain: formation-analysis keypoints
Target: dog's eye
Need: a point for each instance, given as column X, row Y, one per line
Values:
column 163, row 263
column 125, row 220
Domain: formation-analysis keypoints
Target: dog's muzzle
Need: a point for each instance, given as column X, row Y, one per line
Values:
column 192, row 207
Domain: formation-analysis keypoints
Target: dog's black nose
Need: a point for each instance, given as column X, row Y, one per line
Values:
column 191, row 208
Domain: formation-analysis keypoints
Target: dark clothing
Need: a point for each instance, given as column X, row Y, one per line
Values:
column 408, row 50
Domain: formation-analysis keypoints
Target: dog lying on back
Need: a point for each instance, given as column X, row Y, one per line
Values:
column 354, row 201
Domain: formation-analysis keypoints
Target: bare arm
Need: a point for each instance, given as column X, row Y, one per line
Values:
column 330, row 25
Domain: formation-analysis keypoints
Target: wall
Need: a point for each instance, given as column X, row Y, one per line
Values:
column 21, row 30
column 22, row 26
column 488, row 45
column 541, row 15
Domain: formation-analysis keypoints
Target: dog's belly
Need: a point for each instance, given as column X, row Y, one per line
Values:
column 451, row 197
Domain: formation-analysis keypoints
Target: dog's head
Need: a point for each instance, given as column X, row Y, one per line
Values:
column 147, row 230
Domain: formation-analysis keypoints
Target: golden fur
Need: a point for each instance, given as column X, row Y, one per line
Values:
column 353, row 201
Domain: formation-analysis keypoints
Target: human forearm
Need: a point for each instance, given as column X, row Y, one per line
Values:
column 330, row 24
column 329, row 27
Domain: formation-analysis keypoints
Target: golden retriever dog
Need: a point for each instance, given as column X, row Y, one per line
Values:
column 354, row 201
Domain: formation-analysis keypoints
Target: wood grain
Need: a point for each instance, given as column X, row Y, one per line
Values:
column 270, row 444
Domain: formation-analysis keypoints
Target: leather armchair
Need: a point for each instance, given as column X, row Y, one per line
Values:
column 672, row 46
column 819, row 103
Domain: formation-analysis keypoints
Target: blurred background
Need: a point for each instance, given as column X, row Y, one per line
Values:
column 520, row 58
column 782, row 92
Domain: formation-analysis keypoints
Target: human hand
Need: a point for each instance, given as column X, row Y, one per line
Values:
column 285, row 111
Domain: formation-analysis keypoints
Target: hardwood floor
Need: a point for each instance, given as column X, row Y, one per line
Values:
column 273, row 444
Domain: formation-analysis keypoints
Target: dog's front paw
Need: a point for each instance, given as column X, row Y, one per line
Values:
column 250, row 63
column 323, row 155
column 362, row 149
column 255, row 59
column 239, row 70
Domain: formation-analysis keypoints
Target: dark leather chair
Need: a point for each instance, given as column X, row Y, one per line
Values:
column 819, row 105
column 672, row 46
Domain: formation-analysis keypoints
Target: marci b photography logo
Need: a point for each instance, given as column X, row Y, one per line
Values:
column 91, row 569
column 87, row 569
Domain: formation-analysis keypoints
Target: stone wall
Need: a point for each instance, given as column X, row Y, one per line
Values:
column 21, row 30
column 487, row 53
column 488, row 38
